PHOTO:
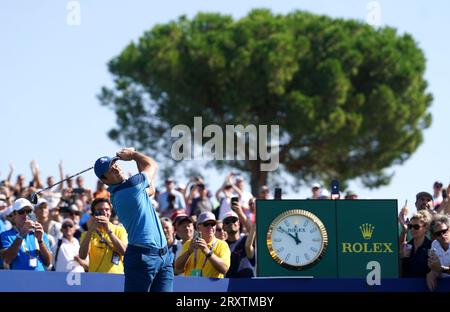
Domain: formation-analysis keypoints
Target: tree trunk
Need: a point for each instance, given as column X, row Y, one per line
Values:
column 258, row 178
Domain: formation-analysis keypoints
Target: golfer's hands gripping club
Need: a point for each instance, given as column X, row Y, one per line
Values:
column 126, row 153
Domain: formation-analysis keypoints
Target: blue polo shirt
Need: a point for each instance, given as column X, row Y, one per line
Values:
column 21, row 262
column 135, row 211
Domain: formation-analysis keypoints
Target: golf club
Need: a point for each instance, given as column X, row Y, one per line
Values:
column 35, row 195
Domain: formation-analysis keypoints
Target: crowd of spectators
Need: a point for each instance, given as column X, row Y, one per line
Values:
column 74, row 228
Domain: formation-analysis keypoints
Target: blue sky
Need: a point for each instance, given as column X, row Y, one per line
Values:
column 51, row 72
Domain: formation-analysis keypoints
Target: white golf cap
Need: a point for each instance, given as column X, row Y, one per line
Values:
column 316, row 185
column 41, row 201
column 21, row 203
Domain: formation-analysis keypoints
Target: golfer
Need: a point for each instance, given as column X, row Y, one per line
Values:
column 148, row 265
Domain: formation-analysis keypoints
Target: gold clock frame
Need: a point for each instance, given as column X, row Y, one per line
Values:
column 312, row 217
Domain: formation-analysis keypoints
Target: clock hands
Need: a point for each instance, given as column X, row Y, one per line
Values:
column 297, row 240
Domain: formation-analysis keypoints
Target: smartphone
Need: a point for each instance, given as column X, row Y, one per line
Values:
column 234, row 200
column 277, row 193
column 335, row 189
column 32, row 217
column 197, row 235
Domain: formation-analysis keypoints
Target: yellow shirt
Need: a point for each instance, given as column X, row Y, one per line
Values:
column 220, row 249
column 101, row 254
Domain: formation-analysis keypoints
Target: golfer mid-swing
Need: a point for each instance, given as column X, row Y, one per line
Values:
column 147, row 262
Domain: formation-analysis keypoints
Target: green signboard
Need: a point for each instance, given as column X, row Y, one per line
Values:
column 325, row 238
column 367, row 231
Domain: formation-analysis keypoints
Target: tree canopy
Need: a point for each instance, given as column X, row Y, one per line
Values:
column 350, row 100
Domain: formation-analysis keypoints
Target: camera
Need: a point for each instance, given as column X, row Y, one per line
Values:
column 98, row 213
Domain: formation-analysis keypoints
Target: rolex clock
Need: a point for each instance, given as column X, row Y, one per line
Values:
column 297, row 239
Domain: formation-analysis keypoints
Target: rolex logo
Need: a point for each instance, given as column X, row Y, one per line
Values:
column 366, row 230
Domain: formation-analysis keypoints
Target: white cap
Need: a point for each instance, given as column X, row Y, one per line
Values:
column 20, row 204
column 8, row 211
column 41, row 201
column 67, row 220
column 315, row 185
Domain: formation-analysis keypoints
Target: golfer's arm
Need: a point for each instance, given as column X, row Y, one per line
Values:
column 9, row 254
column 146, row 164
column 84, row 246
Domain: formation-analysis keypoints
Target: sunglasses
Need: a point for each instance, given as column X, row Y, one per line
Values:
column 65, row 226
column 219, row 230
column 414, row 226
column 22, row 212
column 229, row 221
column 208, row 224
column 441, row 232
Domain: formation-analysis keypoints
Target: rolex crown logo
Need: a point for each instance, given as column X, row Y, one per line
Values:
column 366, row 230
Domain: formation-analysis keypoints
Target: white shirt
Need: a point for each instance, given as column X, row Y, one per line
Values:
column 225, row 206
column 444, row 256
column 54, row 232
column 246, row 196
column 66, row 254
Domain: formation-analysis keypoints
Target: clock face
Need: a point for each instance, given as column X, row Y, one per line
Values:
column 297, row 239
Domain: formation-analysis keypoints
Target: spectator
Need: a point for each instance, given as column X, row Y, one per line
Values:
column 184, row 230
column 242, row 263
column 54, row 213
column 169, row 232
column 228, row 189
column 220, row 232
column 444, row 208
column 316, row 191
column 414, row 254
column 52, row 228
column 437, row 194
column 20, row 186
column 101, row 191
column 351, row 195
column 202, row 203
column 74, row 213
column 54, row 194
column 424, row 201
column 251, row 213
column 65, row 251
column 4, row 224
column 246, row 196
column 171, row 200
column 206, row 256
column 81, row 190
column 439, row 258
column 104, row 242
column 264, row 192
column 25, row 246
